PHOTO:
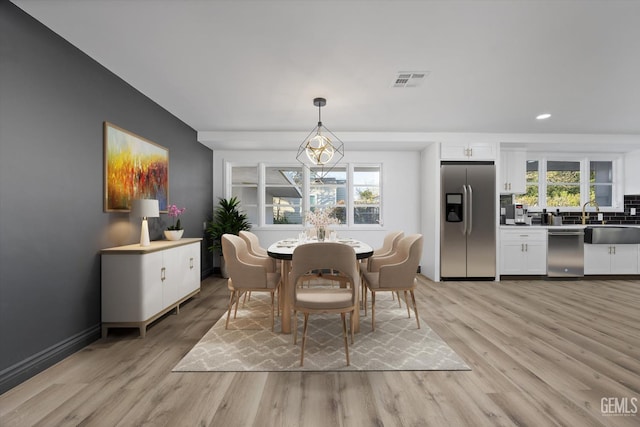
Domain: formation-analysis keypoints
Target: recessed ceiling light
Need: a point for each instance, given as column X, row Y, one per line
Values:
column 543, row 116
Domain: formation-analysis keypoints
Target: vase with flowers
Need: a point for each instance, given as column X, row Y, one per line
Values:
column 320, row 219
column 175, row 231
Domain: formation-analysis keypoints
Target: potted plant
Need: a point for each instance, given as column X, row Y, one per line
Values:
column 174, row 232
column 227, row 218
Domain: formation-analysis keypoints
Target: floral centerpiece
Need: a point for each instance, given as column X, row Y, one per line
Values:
column 321, row 219
column 174, row 232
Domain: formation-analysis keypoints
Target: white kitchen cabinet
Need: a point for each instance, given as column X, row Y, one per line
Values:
column 468, row 151
column 611, row 259
column 140, row 284
column 513, row 172
column 523, row 251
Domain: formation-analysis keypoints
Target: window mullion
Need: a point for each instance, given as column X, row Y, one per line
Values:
column 585, row 184
column 261, row 194
column 350, row 202
column 542, row 182
column 306, row 190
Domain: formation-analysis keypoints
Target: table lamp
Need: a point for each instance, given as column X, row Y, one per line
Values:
column 145, row 208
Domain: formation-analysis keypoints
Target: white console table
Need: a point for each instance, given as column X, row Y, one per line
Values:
column 140, row 284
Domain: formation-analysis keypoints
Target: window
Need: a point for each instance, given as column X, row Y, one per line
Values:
column 277, row 195
column 563, row 184
column 330, row 193
column 366, row 195
column 283, row 195
column 569, row 183
column 531, row 197
column 601, row 183
column 244, row 186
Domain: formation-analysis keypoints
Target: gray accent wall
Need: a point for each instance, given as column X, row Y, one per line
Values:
column 53, row 102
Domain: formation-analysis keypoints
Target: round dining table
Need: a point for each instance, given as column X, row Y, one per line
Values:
column 283, row 250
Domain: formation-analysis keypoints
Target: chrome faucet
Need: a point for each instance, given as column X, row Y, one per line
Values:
column 585, row 216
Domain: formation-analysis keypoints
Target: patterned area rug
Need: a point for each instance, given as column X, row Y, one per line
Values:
column 249, row 344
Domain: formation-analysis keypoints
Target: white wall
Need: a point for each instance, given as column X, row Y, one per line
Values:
column 430, row 190
column 632, row 173
column 410, row 176
column 401, row 183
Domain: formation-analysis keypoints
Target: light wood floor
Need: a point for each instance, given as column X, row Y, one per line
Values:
column 542, row 353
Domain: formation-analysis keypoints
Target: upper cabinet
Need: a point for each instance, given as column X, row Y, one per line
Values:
column 468, row 151
column 513, row 172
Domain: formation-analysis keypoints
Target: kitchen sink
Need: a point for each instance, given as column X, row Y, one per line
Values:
column 611, row 235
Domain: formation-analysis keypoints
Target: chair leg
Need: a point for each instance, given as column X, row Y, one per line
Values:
column 304, row 337
column 344, row 334
column 415, row 307
column 406, row 301
column 239, row 294
column 363, row 293
column 273, row 297
column 244, row 300
column 373, row 310
column 352, row 326
column 231, row 297
column 295, row 327
column 399, row 302
column 364, row 302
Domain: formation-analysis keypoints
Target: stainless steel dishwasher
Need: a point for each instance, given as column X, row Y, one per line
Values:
column 565, row 253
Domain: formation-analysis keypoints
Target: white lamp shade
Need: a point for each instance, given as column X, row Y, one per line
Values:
column 145, row 208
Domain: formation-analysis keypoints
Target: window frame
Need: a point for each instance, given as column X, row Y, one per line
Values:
column 352, row 189
column 306, row 188
column 617, row 169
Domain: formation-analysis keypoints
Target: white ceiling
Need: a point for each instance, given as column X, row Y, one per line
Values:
column 225, row 66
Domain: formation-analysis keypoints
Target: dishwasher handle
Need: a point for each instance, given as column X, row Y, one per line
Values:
column 566, row 233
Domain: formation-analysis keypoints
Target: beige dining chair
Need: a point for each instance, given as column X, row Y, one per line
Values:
column 247, row 273
column 395, row 273
column 389, row 246
column 253, row 245
column 337, row 258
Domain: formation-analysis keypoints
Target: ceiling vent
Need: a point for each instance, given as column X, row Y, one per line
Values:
column 409, row 78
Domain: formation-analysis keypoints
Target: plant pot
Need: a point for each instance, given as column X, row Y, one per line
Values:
column 173, row 234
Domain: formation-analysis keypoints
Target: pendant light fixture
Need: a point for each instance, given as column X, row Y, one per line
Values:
column 321, row 150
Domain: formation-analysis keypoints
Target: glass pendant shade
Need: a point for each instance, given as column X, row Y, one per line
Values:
column 318, row 152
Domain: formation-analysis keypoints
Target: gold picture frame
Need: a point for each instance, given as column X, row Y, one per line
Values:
column 134, row 168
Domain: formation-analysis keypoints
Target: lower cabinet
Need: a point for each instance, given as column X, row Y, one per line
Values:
column 611, row 259
column 140, row 284
column 523, row 252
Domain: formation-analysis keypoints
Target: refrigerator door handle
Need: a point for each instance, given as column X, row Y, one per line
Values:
column 465, row 199
column 470, row 209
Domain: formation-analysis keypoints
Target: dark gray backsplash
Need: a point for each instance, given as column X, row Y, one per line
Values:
column 623, row 218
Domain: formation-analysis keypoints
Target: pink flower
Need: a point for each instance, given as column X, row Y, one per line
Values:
column 321, row 218
column 175, row 212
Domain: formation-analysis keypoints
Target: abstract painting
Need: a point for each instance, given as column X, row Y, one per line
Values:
column 134, row 168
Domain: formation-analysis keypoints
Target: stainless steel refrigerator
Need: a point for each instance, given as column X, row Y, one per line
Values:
column 468, row 220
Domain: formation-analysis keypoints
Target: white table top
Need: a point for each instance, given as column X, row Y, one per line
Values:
column 283, row 249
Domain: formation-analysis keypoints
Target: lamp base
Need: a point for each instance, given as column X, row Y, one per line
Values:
column 144, row 233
